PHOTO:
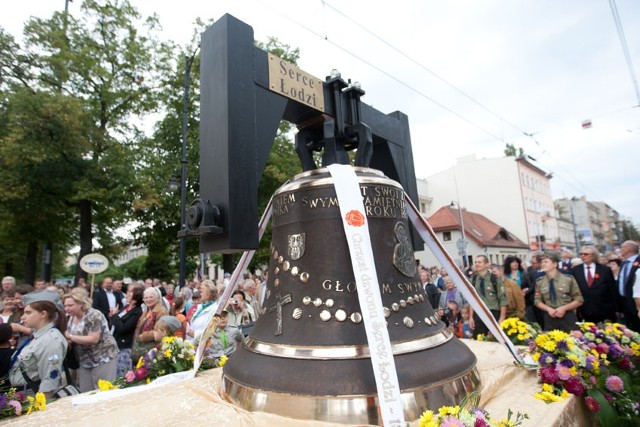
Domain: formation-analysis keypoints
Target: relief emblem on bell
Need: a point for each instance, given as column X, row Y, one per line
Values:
column 296, row 246
column 403, row 252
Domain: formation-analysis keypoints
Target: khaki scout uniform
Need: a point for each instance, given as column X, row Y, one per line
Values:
column 494, row 297
column 566, row 291
column 41, row 360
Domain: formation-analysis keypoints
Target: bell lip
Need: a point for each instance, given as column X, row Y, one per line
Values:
column 343, row 352
column 350, row 408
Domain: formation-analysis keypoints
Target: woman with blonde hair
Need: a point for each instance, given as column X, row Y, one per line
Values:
column 198, row 322
column 96, row 349
column 144, row 339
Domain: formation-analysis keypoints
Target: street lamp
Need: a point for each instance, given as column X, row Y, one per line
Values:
column 462, row 245
column 174, row 183
column 183, row 170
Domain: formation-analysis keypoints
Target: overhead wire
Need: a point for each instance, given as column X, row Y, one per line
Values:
column 529, row 135
column 625, row 48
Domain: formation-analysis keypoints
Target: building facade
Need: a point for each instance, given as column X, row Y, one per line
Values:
column 511, row 191
column 483, row 237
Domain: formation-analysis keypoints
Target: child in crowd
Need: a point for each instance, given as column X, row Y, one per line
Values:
column 225, row 339
column 467, row 332
column 177, row 311
column 166, row 326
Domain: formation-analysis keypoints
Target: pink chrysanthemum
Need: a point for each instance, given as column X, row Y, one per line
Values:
column 452, row 422
column 614, row 383
column 563, row 372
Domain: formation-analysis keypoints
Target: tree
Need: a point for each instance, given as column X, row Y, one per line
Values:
column 511, row 151
column 116, row 72
column 629, row 231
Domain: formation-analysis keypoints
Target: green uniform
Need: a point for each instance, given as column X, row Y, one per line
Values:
column 494, row 295
column 41, row 360
column 566, row 291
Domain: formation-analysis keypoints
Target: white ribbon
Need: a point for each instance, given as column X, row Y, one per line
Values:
column 458, row 277
column 356, row 228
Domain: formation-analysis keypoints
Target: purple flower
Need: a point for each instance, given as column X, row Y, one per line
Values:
column 608, row 397
column 614, row 383
column 589, row 362
column 574, row 386
column 592, row 404
column 548, row 375
column 568, row 363
column 615, row 351
column 562, row 345
column 547, row 359
column 602, row 348
column 3, row 400
column 480, row 423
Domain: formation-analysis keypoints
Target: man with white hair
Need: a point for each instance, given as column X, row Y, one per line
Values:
column 629, row 285
column 8, row 283
column 249, row 289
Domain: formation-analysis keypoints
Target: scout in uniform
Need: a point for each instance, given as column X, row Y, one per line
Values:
column 37, row 363
column 557, row 295
column 490, row 289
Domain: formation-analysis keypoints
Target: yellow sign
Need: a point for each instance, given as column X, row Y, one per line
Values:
column 290, row 81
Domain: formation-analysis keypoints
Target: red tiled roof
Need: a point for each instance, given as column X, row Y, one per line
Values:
column 477, row 227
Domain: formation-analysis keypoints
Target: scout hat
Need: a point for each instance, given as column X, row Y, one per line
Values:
column 172, row 321
column 43, row 295
column 551, row 255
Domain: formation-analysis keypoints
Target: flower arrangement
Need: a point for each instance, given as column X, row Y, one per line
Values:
column 171, row 356
column 519, row 332
column 597, row 362
column 13, row 403
column 455, row 416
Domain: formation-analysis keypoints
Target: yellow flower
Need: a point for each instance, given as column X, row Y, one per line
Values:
column 505, row 423
column 223, row 359
column 105, row 385
column 480, row 337
column 536, row 357
column 425, row 418
column 449, row 410
column 140, row 363
column 168, row 340
column 30, row 400
column 550, row 346
column 520, row 337
column 148, row 380
column 167, row 352
column 41, row 402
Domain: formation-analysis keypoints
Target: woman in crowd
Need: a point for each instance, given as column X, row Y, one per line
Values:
column 513, row 270
column 144, row 340
column 88, row 333
column 178, row 312
column 451, row 293
column 37, row 363
column 124, row 327
column 614, row 264
column 187, row 296
column 8, row 313
column 198, row 322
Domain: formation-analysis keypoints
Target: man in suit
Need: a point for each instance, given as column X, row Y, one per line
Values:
column 629, row 284
column 597, row 286
column 107, row 301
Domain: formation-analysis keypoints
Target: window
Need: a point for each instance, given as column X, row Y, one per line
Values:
column 446, row 236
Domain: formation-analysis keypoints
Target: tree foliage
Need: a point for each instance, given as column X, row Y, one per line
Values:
column 81, row 85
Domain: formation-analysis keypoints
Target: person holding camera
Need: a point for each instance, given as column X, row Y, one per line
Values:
column 241, row 314
column 452, row 318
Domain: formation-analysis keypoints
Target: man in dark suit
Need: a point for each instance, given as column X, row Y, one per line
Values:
column 629, row 284
column 107, row 301
column 598, row 287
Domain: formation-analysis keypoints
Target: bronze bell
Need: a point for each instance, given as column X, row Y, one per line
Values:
column 307, row 356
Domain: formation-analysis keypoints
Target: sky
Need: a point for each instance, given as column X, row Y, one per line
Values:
column 471, row 75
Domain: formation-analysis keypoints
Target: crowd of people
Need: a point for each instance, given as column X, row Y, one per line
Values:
column 554, row 291
column 52, row 336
